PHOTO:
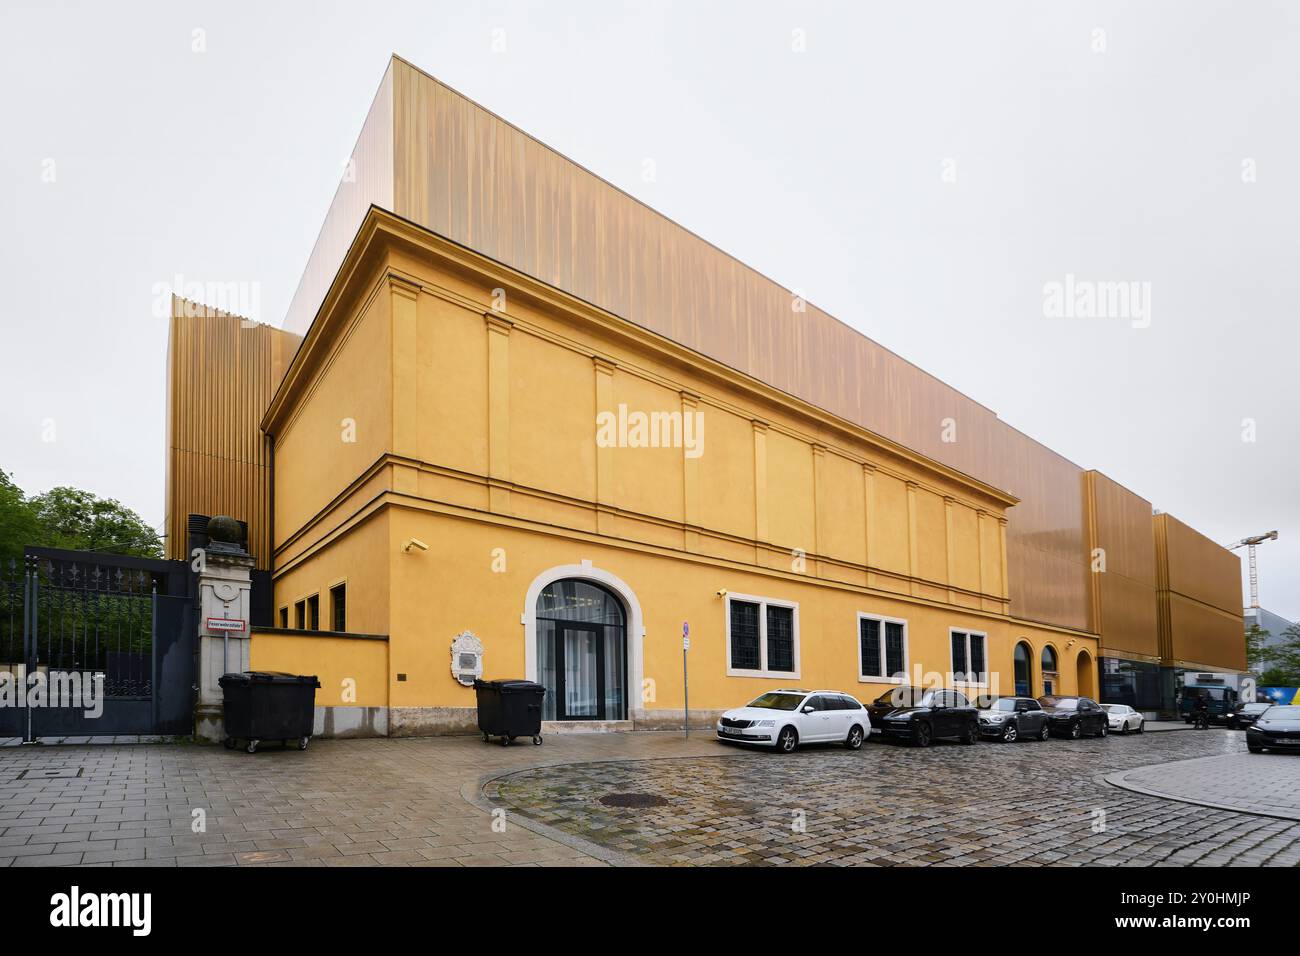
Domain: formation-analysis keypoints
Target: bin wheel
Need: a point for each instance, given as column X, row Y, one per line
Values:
column 302, row 742
column 505, row 741
column 228, row 743
column 537, row 741
column 252, row 746
column 486, row 737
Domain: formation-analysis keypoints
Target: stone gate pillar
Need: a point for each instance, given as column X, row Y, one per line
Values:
column 225, row 608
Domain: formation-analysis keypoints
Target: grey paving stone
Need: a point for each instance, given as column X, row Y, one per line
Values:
column 399, row 802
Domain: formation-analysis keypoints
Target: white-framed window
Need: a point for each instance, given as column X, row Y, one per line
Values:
column 762, row 637
column 970, row 657
column 882, row 649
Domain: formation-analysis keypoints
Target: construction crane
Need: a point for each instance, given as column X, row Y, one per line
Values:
column 1249, row 544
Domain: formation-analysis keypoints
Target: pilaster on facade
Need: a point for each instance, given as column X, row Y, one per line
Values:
column 760, row 488
column 690, row 479
column 1005, row 587
column 869, row 519
column 404, row 298
column 950, row 549
column 913, row 540
column 820, row 503
column 498, row 366
column 605, row 519
column 982, row 519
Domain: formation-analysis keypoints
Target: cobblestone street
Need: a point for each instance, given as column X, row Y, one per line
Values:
column 887, row 805
column 429, row 802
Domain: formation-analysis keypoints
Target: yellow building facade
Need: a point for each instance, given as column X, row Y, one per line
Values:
column 512, row 402
column 455, row 439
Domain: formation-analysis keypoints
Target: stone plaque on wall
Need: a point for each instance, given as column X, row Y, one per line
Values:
column 466, row 658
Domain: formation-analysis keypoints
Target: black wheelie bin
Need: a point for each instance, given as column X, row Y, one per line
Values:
column 268, row 705
column 509, row 709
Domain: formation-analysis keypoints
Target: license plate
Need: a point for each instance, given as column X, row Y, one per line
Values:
column 732, row 732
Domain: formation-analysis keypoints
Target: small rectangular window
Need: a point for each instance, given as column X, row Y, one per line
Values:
column 882, row 648
column 895, row 653
column 339, row 608
column 969, row 657
column 762, row 636
column 300, row 615
column 284, row 616
column 869, row 634
column 313, row 612
column 780, row 639
column 744, row 636
column 958, row 655
column 977, row 668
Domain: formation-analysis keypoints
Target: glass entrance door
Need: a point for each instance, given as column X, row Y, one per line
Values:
column 581, row 652
column 580, row 673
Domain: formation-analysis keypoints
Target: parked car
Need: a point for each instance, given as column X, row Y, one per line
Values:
column 1075, row 716
column 1123, row 718
column 935, row 713
column 1009, row 719
column 891, row 700
column 786, row 718
column 1246, row 714
column 1278, row 728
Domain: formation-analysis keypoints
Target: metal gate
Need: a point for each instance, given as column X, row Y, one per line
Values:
column 92, row 649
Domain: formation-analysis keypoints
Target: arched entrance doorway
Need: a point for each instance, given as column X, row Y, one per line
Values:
column 1051, row 679
column 1086, row 684
column 1024, row 670
column 581, row 651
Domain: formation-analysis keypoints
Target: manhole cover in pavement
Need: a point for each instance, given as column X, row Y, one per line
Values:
column 633, row 801
column 50, row 773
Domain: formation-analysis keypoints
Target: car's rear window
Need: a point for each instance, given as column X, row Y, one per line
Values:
column 1002, row 703
column 901, row 697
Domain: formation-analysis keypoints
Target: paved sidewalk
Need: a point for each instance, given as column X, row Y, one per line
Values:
column 421, row 802
column 1267, row 784
column 339, row 803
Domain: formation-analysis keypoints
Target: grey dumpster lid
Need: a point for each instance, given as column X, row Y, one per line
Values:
column 268, row 677
column 510, row 686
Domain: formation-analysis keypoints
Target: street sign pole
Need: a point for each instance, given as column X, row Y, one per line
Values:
column 686, row 688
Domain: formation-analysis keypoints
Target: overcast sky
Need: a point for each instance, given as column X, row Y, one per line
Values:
column 920, row 170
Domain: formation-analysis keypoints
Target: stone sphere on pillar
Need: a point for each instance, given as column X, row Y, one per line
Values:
column 225, row 529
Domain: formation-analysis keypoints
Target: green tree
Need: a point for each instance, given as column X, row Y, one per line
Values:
column 18, row 523
column 1277, row 677
column 76, row 519
column 1256, row 652
column 71, row 518
column 1283, row 660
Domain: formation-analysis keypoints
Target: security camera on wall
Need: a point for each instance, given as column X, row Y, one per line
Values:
column 722, row 592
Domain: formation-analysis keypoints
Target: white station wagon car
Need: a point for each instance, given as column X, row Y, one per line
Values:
column 786, row 718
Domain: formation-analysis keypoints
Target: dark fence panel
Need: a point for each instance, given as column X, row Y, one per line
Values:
column 99, row 645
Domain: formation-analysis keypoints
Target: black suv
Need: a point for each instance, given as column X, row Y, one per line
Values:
column 1013, row 718
column 1075, row 716
column 919, row 716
